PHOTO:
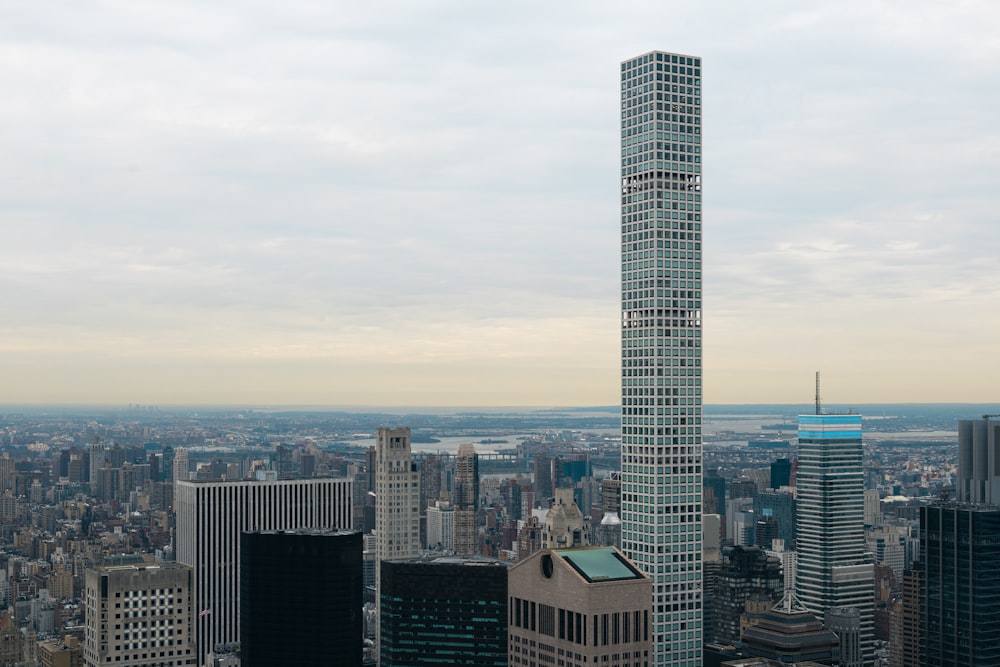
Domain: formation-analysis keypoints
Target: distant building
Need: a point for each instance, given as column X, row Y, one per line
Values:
column 746, row 573
column 781, row 473
column 978, row 461
column 778, row 506
column 466, row 500
column 443, row 611
column 286, row 621
column 585, row 606
column 139, row 615
column 845, row 622
column 60, row 652
column 441, row 526
column 564, row 523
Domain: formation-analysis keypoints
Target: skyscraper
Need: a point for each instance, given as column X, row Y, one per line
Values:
column 661, row 342
column 210, row 518
column 833, row 570
column 301, row 598
column 466, row 497
column 397, row 503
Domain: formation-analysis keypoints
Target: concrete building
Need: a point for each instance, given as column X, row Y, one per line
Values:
column 661, row 353
column 210, row 517
column 845, row 622
column 444, row 611
column 441, row 526
column 833, row 567
column 584, row 606
column 564, row 523
column 978, row 461
column 301, row 598
column 64, row 652
column 139, row 615
column 397, row 491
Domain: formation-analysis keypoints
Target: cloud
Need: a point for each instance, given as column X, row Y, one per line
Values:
column 431, row 189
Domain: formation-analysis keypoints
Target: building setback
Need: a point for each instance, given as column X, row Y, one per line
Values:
column 301, row 598
column 577, row 607
column 443, row 611
column 210, row 518
column 661, row 353
column 139, row 615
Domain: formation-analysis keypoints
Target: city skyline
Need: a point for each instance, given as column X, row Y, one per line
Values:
column 320, row 205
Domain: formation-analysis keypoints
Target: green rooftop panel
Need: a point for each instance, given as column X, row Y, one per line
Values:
column 603, row 564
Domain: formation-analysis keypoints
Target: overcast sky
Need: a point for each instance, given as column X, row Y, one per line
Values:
column 416, row 203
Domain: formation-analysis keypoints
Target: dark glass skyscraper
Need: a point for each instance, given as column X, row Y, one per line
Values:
column 960, row 585
column 301, row 598
column 443, row 611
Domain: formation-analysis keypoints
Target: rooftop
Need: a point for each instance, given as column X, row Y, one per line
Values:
column 599, row 564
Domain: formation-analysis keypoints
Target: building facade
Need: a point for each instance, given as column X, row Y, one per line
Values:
column 211, row 516
column 661, row 342
column 443, row 611
column 397, row 495
column 139, row 615
column 960, row 585
column 466, row 500
column 301, row 598
column 577, row 607
column 833, row 569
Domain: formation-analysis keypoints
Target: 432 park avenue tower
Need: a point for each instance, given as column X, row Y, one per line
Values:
column 661, row 325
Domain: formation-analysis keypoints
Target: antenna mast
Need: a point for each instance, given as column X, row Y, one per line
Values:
column 818, row 408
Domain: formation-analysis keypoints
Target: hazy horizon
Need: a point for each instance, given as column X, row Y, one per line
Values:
column 418, row 203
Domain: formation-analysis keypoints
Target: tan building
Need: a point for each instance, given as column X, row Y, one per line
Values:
column 10, row 640
column 139, row 615
column 66, row 652
column 564, row 523
column 579, row 607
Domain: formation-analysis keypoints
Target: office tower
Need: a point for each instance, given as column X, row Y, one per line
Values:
column 588, row 606
column 789, row 562
column 905, row 642
column 661, row 342
column 845, row 622
column 211, row 516
column 443, row 611
column 138, row 615
column 397, row 495
column 716, row 483
column 563, row 523
column 747, row 573
column 397, row 504
column 543, row 478
column 301, row 598
column 711, row 564
column 181, row 467
column 441, row 526
column 833, row 569
column 779, row 506
column 781, row 473
column 978, row 461
column 960, row 584
column 873, row 510
column 466, row 500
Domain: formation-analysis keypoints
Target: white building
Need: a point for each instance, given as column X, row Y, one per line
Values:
column 139, row 615
column 441, row 526
column 661, row 325
column 210, row 518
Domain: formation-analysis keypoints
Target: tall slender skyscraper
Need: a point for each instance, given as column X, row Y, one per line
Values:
column 833, row 569
column 466, row 500
column 661, row 342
